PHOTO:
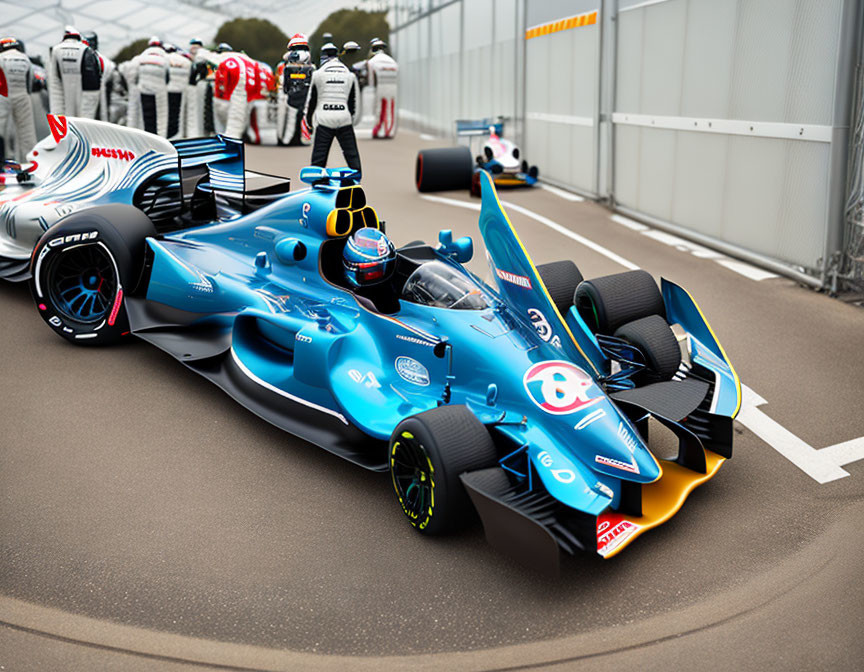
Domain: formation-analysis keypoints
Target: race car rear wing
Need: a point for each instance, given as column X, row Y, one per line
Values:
column 215, row 183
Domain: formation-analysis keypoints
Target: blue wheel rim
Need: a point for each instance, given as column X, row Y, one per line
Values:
column 82, row 283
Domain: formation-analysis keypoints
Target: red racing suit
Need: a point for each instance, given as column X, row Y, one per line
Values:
column 238, row 83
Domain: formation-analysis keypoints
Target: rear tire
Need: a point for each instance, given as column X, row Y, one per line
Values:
column 428, row 452
column 561, row 279
column 611, row 301
column 444, row 169
column 656, row 340
column 84, row 266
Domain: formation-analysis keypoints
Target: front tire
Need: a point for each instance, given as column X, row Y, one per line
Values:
column 82, row 269
column 428, row 452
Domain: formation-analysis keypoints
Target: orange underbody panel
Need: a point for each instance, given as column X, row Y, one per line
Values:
column 660, row 501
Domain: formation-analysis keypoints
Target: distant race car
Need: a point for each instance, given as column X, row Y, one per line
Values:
column 453, row 168
column 84, row 163
column 511, row 400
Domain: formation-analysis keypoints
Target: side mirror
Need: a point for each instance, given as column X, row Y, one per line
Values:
column 462, row 250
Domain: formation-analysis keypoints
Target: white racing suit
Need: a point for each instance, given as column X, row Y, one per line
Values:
column 199, row 94
column 74, row 78
column 129, row 72
column 294, row 82
column 383, row 76
column 179, row 71
column 152, row 70
column 106, row 87
column 332, row 106
column 16, row 106
column 237, row 83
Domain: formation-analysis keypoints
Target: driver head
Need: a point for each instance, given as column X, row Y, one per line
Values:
column 223, row 47
column 70, row 33
column 329, row 50
column 369, row 258
column 91, row 38
column 377, row 45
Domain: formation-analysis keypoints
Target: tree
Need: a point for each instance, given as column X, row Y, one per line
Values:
column 131, row 50
column 351, row 24
column 259, row 38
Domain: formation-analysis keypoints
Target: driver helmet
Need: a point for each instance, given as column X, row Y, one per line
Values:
column 8, row 43
column 223, row 47
column 329, row 50
column 298, row 40
column 70, row 33
column 377, row 45
column 91, row 38
column 369, row 258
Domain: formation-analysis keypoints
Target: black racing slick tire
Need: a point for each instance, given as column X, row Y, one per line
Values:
column 561, row 279
column 656, row 341
column 444, row 169
column 428, row 452
column 82, row 269
column 611, row 301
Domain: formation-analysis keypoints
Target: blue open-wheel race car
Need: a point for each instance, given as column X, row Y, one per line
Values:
column 528, row 402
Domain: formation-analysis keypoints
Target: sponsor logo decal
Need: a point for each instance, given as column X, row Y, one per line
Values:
column 632, row 467
column 369, row 378
column 411, row 370
column 414, row 339
column 58, row 125
column 72, row 238
column 303, row 338
column 559, row 387
column 632, row 444
column 333, row 107
column 544, row 329
column 562, row 475
column 612, row 531
column 513, row 279
column 111, row 153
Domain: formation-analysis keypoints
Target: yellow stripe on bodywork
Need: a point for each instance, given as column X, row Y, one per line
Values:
column 485, row 175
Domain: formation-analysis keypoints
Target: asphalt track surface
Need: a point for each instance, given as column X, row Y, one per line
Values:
column 149, row 522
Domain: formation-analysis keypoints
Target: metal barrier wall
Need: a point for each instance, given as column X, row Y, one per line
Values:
column 726, row 121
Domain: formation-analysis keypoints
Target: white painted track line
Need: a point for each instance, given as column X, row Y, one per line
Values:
column 846, row 452
column 629, row 223
column 452, row 201
column 684, row 245
column 590, row 244
column 566, row 195
column 746, row 270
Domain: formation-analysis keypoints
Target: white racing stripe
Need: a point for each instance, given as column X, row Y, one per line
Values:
column 555, row 226
column 566, row 195
column 283, row 393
